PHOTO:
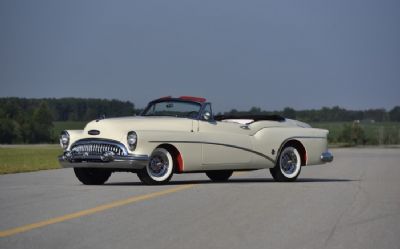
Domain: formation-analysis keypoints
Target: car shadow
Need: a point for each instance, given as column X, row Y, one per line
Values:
column 236, row 181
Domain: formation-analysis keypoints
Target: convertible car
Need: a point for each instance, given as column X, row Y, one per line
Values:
column 181, row 135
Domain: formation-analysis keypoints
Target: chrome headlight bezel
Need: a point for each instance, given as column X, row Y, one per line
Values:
column 131, row 140
column 64, row 139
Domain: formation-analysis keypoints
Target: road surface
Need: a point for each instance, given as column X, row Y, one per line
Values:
column 353, row 202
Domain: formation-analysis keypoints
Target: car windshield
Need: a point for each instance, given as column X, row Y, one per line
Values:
column 173, row 108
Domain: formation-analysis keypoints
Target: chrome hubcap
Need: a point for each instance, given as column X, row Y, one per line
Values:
column 289, row 162
column 158, row 165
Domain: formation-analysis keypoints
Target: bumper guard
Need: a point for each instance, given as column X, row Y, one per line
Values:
column 107, row 160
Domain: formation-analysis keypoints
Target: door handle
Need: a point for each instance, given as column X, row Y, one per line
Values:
column 245, row 127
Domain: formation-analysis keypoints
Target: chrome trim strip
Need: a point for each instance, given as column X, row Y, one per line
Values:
column 221, row 144
column 304, row 137
column 241, row 148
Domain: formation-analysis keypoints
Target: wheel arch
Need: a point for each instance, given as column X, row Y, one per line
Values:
column 299, row 146
column 176, row 157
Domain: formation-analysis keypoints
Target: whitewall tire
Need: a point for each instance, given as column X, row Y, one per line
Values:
column 288, row 165
column 159, row 170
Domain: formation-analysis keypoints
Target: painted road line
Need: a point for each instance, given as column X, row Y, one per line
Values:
column 25, row 228
column 238, row 173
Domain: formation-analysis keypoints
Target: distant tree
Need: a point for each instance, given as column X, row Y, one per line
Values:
column 394, row 114
column 231, row 112
column 378, row 115
column 90, row 113
column 345, row 134
column 255, row 110
column 9, row 131
column 352, row 134
column 289, row 113
column 2, row 112
column 42, row 123
column 27, row 131
column 30, row 120
column 139, row 111
column 357, row 134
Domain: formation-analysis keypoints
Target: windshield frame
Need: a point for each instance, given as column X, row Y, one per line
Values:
column 150, row 105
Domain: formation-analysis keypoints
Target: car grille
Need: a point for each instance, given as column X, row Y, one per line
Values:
column 97, row 148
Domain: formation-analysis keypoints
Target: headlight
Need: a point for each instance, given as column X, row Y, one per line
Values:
column 132, row 140
column 64, row 139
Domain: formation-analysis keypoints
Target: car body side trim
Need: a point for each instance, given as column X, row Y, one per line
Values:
column 221, row 144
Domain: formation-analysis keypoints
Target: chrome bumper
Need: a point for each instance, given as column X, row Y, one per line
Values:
column 69, row 160
column 327, row 157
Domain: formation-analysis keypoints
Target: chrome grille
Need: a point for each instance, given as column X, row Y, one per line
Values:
column 97, row 148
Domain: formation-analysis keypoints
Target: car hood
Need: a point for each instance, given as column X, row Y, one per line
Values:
column 125, row 124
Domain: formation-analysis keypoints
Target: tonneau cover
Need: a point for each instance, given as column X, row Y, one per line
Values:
column 253, row 117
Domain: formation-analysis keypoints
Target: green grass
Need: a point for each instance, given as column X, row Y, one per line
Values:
column 25, row 158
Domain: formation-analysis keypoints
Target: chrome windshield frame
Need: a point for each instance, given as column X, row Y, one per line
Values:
column 198, row 116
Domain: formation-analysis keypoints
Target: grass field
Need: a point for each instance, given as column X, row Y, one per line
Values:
column 25, row 158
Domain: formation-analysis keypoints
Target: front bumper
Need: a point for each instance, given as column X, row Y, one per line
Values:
column 69, row 160
column 327, row 157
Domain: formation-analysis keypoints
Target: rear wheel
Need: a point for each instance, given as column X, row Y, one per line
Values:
column 288, row 166
column 89, row 176
column 219, row 175
column 159, row 170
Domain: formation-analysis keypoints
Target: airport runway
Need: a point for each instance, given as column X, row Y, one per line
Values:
column 351, row 203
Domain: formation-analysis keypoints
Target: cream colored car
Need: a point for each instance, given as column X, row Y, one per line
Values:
column 181, row 135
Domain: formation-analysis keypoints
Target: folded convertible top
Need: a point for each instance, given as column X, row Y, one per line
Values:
column 253, row 117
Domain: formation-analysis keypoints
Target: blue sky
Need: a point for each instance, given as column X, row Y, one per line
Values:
column 237, row 54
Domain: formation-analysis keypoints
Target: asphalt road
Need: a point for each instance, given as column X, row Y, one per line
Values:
column 353, row 202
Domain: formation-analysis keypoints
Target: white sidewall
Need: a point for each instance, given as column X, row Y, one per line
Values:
column 170, row 166
column 298, row 164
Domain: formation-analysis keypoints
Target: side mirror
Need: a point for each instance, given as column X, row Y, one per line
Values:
column 207, row 116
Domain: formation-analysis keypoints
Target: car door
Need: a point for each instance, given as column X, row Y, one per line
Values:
column 225, row 145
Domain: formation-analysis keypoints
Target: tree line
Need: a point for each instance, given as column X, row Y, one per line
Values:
column 326, row 114
column 25, row 120
column 357, row 128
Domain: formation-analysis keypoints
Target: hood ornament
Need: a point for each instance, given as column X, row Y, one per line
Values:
column 102, row 116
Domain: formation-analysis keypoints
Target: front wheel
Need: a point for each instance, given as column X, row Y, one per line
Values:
column 90, row 176
column 288, row 166
column 219, row 175
column 159, row 170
